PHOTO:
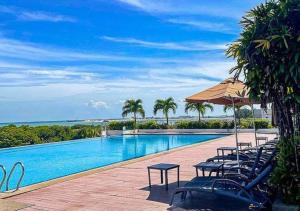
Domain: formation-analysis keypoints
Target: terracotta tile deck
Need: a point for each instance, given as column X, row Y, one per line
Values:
column 125, row 187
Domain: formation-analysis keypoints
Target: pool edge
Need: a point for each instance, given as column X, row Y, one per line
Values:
column 99, row 169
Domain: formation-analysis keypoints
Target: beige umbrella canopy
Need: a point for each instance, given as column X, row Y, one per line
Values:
column 227, row 92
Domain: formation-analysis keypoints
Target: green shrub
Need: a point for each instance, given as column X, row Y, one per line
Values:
column 262, row 124
column 228, row 124
column 11, row 135
column 151, row 124
column 259, row 123
column 207, row 124
column 187, row 124
column 184, row 124
column 215, row 124
column 285, row 177
column 118, row 125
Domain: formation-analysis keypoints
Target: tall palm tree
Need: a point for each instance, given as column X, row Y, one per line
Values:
column 201, row 108
column 134, row 107
column 165, row 106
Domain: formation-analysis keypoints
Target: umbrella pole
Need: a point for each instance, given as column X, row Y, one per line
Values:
column 253, row 121
column 236, row 136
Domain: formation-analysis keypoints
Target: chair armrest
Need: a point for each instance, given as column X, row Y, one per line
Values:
column 244, row 154
column 237, row 175
column 232, row 182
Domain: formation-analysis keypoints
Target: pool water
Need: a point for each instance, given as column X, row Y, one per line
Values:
column 49, row 161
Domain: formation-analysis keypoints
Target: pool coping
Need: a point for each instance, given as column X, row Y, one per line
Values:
column 100, row 169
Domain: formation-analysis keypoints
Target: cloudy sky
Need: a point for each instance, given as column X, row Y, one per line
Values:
column 74, row 59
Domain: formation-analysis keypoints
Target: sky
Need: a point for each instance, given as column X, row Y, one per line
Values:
column 73, row 59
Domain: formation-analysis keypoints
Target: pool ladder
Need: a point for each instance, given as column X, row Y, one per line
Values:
column 10, row 174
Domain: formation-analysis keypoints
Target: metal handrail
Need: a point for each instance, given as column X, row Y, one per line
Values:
column 21, row 177
column 4, row 176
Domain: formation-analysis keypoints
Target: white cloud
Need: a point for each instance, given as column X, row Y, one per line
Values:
column 183, row 46
column 97, row 104
column 25, row 15
column 16, row 49
column 204, row 25
column 121, row 102
column 61, row 74
column 43, row 16
column 30, row 51
column 147, row 77
column 194, row 7
column 133, row 2
column 5, row 9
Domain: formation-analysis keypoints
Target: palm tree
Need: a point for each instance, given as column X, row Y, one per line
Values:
column 135, row 107
column 199, row 107
column 165, row 106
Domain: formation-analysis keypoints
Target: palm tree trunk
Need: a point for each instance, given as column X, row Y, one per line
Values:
column 167, row 118
column 199, row 116
column 134, row 121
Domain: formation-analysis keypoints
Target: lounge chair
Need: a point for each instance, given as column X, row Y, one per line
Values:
column 246, row 193
column 245, row 154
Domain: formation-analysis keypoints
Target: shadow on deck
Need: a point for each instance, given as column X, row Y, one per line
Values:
column 205, row 201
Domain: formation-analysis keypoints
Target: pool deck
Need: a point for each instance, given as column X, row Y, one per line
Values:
column 123, row 187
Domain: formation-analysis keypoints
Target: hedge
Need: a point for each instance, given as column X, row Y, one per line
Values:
column 118, row 125
column 186, row 124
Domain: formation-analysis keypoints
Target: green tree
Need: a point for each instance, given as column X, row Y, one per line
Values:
column 201, row 108
column 240, row 111
column 165, row 106
column 134, row 107
column 268, row 57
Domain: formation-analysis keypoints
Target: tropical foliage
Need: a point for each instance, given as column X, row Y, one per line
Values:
column 286, row 173
column 12, row 135
column 201, row 108
column 165, row 106
column 268, row 56
column 118, row 125
column 186, row 124
column 134, row 107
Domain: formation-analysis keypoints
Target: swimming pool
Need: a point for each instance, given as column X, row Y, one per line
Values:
column 49, row 161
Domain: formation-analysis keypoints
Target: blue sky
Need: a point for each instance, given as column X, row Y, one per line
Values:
column 75, row 59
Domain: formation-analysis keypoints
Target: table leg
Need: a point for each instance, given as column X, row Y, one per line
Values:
column 166, row 179
column 223, row 155
column 178, row 176
column 161, row 177
column 203, row 174
column 218, row 155
column 149, row 178
column 197, row 172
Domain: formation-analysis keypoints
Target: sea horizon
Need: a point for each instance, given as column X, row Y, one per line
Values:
column 100, row 121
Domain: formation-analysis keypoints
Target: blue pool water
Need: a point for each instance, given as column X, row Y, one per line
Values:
column 48, row 161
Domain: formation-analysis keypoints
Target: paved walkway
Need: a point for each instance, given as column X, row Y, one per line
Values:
column 125, row 187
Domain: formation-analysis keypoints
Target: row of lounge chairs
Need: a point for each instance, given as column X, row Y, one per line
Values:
column 238, row 187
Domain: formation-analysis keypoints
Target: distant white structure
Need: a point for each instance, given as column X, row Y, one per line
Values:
column 262, row 113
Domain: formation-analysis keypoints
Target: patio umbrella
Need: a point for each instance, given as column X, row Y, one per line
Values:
column 228, row 92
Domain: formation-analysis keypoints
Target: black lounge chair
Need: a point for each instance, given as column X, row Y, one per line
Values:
column 246, row 154
column 246, row 193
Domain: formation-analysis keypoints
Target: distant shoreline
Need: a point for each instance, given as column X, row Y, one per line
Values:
column 101, row 121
